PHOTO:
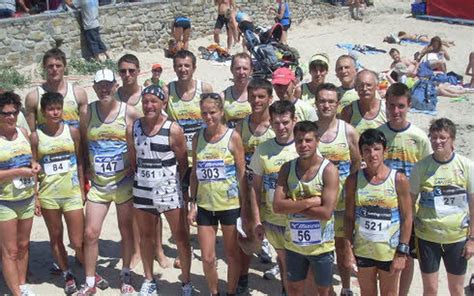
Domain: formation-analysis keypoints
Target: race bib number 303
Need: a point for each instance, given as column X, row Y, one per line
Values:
column 211, row 170
column 305, row 233
column 108, row 164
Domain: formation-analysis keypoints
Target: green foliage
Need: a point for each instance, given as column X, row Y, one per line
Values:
column 11, row 79
column 81, row 66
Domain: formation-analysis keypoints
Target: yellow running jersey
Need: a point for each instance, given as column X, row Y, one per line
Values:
column 405, row 147
column 337, row 151
column 16, row 154
column 305, row 111
column 234, row 111
column 217, row 188
column 377, row 218
column 346, row 97
column 57, row 156
column 362, row 124
column 266, row 162
column 251, row 141
column 186, row 113
column 70, row 107
column 307, row 96
column 303, row 235
column 444, row 188
column 108, row 152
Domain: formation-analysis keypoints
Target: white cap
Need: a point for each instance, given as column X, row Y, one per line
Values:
column 104, row 75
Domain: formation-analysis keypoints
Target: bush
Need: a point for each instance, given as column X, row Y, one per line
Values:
column 81, row 66
column 11, row 79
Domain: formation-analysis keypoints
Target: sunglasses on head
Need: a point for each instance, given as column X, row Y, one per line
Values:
column 214, row 96
column 124, row 71
column 14, row 113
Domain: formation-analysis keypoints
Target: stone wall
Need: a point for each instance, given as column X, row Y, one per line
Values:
column 135, row 26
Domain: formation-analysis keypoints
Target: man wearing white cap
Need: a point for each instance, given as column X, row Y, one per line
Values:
column 103, row 130
column 318, row 68
column 284, row 83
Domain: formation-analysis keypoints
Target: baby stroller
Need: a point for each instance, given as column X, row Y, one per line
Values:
column 269, row 54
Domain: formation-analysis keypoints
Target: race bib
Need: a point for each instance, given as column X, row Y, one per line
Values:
column 108, row 164
column 57, row 164
column 450, row 201
column 305, row 233
column 211, row 170
column 23, row 182
column 148, row 170
column 375, row 223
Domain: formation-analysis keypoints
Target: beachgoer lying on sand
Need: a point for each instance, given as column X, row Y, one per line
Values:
column 451, row 91
column 436, row 54
column 470, row 69
column 421, row 38
column 411, row 65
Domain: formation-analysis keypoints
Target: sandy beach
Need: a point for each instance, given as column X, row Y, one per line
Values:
column 309, row 37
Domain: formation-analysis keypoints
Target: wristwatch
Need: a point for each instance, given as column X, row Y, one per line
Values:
column 403, row 249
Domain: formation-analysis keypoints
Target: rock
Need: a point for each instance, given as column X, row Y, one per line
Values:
column 36, row 36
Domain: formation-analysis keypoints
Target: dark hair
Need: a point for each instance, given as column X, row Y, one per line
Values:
column 318, row 64
column 372, row 136
column 306, row 126
column 401, row 33
column 443, row 124
column 325, row 86
column 393, row 50
column 398, row 89
column 240, row 55
column 129, row 58
column 10, row 98
column 346, row 56
column 182, row 54
column 282, row 107
column 51, row 98
column 436, row 39
column 55, row 53
column 257, row 83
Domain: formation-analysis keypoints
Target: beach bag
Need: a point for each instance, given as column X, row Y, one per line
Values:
column 423, row 95
column 268, row 54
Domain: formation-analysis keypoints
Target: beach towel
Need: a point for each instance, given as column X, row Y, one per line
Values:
column 451, row 78
column 214, row 53
column 405, row 42
column 365, row 48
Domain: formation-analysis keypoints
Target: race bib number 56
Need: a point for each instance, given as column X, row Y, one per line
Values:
column 305, row 233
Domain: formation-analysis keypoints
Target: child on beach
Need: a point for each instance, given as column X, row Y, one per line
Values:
column 156, row 71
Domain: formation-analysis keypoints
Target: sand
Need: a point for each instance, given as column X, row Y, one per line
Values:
column 309, row 37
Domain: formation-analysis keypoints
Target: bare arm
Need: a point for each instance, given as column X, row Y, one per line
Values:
column 83, row 125
column 31, row 105
column 178, row 145
column 132, row 156
column 76, row 137
column 349, row 216
column 405, row 205
column 353, row 140
column 237, row 149
column 284, row 205
column 346, row 114
column 328, row 199
column 255, row 196
column 81, row 98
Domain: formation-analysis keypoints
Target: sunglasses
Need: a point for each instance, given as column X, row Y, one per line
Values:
column 214, row 96
column 130, row 71
column 14, row 113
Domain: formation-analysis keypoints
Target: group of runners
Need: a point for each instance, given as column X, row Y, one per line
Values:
column 295, row 167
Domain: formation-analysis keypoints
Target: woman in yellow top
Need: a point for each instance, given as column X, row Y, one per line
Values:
column 17, row 182
column 217, row 186
column 378, row 219
column 56, row 146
